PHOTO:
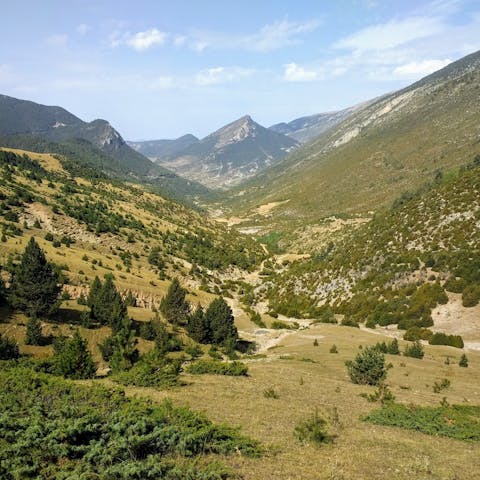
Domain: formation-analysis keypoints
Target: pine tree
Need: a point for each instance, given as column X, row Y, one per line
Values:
column 125, row 353
column 108, row 308
column 174, row 306
column 94, row 291
column 3, row 292
column 197, row 326
column 35, row 284
column 8, row 348
column 463, row 361
column 219, row 318
column 392, row 347
column 33, row 335
column 73, row 359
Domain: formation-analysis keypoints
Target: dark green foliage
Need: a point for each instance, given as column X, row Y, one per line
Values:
column 54, row 428
column 49, row 237
column 368, row 368
column 417, row 333
column 256, row 318
column 106, row 304
column 8, row 348
column 155, row 258
column 443, row 339
column 217, row 367
column 3, row 291
column 166, row 341
column 471, row 295
column 325, row 314
column 279, row 325
column 219, row 318
column 349, row 322
column 392, row 347
column 130, row 300
column 313, row 430
column 148, row 331
column 35, row 284
column 333, row 349
column 456, row 421
column 174, row 306
column 72, row 358
column 382, row 394
column 197, row 326
column 415, row 350
column 124, row 352
column 455, row 285
column 463, row 361
column 152, row 370
column 33, row 334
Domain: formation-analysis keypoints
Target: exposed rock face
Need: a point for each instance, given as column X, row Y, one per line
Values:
column 230, row 155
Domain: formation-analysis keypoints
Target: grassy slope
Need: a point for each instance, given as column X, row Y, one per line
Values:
column 435, row 126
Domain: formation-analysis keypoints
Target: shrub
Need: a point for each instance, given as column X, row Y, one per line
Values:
column 325, row 314
column 382, row 394
column 368, row 367
column 349, row 322
column 270, row 393
column 463, row 361
column 443, row 339
column 72, row 358
column 279, row 325
column 415, row 350
column 455, row 285
column 439, row 386
column 392, row 347
column 217, row 367
column 333, row 349
column 471, row 295
column 8, row 348
column 417, row 333
column 313, row 430
column 33, row 335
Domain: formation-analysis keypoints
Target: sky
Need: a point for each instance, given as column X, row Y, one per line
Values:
column 161, row 69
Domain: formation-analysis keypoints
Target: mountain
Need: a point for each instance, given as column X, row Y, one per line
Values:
column 304, row 129
column 230, row 155
column 157, row 149
column 391, row 145
column 50, row 129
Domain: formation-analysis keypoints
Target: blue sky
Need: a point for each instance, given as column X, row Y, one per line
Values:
column 160, row 69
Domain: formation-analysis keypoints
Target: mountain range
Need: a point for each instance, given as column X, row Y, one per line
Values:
column 224, row 158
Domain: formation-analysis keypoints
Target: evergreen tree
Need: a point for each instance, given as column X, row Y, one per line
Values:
column 35, row 284
column 219, row 318
column 8, row 348
column 3, row 292
column 165, row 341
column 392, row 347
column 368, row 367
column 94, row 292
column 198, row 327
column 174, row 306
column 108, row 308
column 125, row 353
column 463, row 361
column 73, row 359
column 33, row 335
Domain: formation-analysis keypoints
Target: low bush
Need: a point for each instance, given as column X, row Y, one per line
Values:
column 216, row 367
column 471, row 295
column 456, row 421
column 417, row 333
column 443, row 339
column 8, row 348
column 415, row 350
column 313, row 430
column 368, row 367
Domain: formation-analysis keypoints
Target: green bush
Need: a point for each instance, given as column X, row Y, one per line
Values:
column 217, row 367
column 8, row 348
column 439, row 386
column 456, row 421
column 349, row 322
column 417, row 333
column 368, row 367
column 455, row 285
column 53, row 428
column 443, row 339
column 72, row 358
column 313, row 430
column 279, row 325
column 415, row 350
column 471, row 295
column 463, row 361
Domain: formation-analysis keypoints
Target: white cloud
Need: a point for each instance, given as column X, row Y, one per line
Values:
column 219, row 75
column 139, row 41
column 425, row 67
column 391, row 34
column 144, row 40
column 296, row 73
column 57, row 40
column 83, row 28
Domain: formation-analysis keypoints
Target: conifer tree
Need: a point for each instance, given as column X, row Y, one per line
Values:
column 108, row 308
column 33, row 335
column 125, row 353
column 197, row 326
column 94, row 291
column 219, row 318
column 3, row 292
column 8, row 348
column 73, row 359
column 174, row 306
column 463, row 361
column 35, row 284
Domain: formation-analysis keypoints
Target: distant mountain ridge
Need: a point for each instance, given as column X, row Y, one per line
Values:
column 29, row 125
column 157, row 149
column 226, row 157
column 307, row 128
